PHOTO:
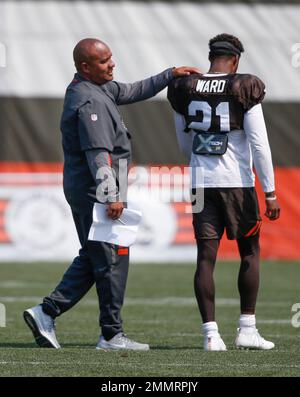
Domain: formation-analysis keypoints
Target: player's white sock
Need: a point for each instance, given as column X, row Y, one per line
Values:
column 247, row 322
column 210, row 328
column 248, row 336
column 212, row 338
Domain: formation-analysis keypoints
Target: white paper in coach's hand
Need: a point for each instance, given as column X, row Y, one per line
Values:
column 114, row 232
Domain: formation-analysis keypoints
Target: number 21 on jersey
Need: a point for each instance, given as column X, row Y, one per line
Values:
column 222, row 110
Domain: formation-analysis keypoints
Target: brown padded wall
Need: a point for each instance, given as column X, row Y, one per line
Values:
column 29, row 131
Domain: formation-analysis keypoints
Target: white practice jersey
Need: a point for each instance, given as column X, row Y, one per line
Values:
column 218, row 104
column 235, row 167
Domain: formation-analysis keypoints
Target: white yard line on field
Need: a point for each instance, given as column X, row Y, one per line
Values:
column 21, row 284
column 169, row 300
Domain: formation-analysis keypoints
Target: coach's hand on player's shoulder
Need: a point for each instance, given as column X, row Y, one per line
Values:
column 184, row 71
column 272, row 209
column 114, row 210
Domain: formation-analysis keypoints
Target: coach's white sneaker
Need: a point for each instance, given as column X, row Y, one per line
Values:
column 42, row 327
column 249, row 338
column 214, row 342
column 120, row 342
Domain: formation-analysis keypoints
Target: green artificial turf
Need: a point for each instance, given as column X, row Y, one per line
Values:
column 160, row 309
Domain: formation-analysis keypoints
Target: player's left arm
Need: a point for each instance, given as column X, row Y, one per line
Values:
column 255, row 129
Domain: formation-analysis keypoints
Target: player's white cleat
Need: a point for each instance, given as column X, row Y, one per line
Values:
column 120, row 342
column 249, row 338
column 214, row 342
column 42, row 327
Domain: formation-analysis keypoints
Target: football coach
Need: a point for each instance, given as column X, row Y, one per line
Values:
column 94, row 136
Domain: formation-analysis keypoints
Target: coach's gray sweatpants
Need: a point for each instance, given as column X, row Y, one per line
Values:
column 101, row 263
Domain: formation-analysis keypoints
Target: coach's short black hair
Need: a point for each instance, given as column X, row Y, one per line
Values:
column 224, row 44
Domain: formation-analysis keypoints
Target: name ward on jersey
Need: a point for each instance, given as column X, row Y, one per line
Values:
column 211, row 86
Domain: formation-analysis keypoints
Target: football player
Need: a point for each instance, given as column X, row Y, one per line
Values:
column 220, row 126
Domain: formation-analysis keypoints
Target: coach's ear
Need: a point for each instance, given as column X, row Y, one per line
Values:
column 84, row 67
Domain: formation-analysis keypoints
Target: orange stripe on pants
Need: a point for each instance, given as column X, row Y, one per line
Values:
column 254, row 229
